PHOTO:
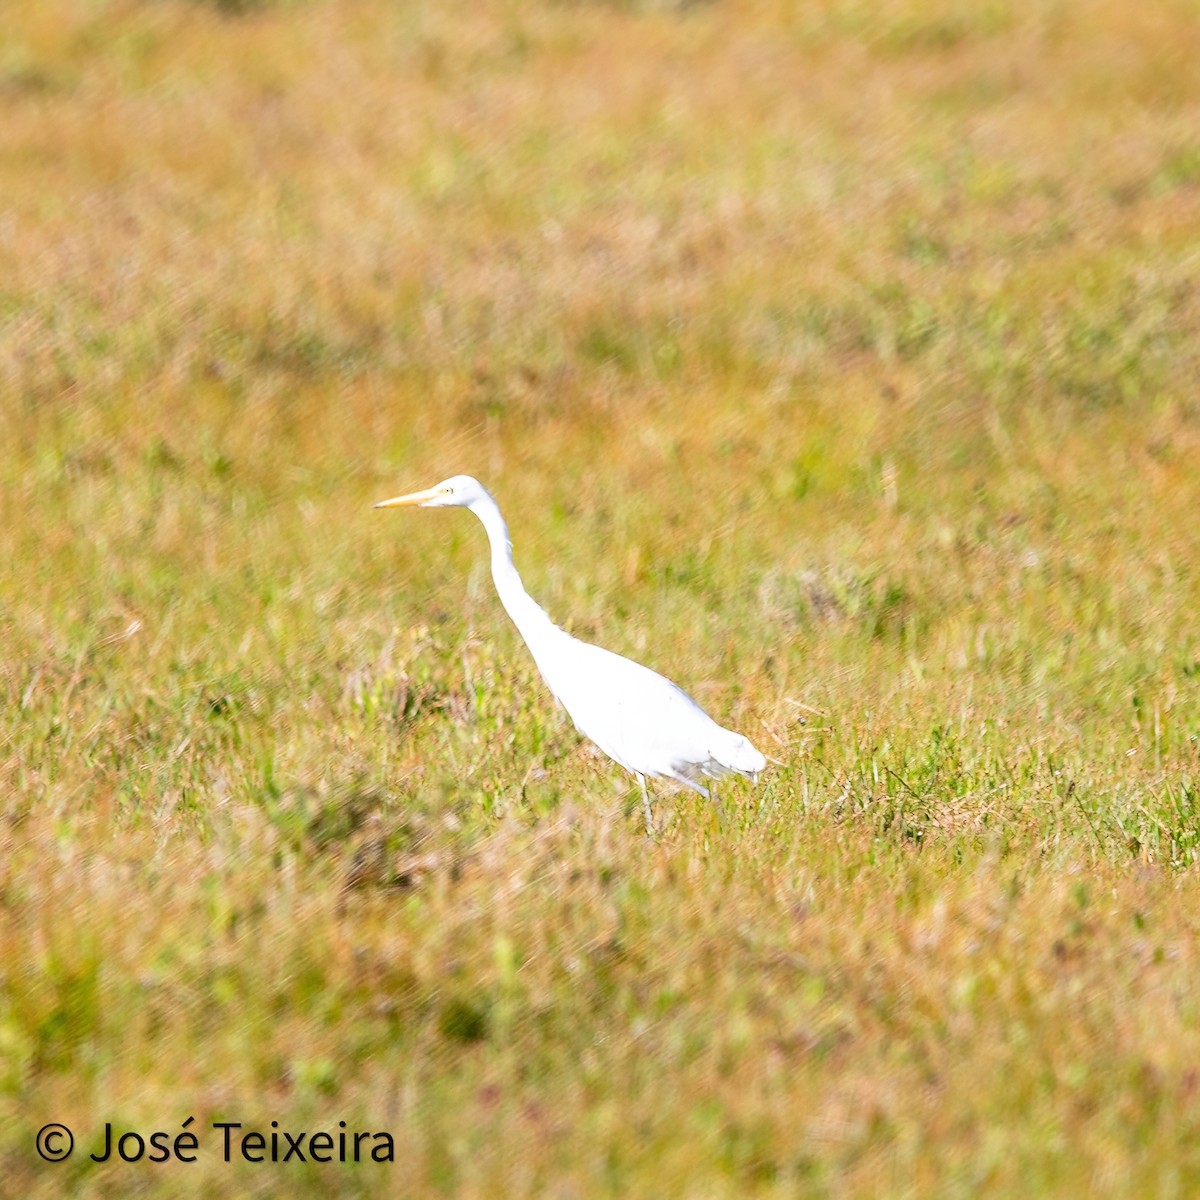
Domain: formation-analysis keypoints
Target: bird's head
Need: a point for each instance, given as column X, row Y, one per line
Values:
column 460, row 491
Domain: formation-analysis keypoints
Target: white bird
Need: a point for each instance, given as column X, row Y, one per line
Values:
column 638, row 718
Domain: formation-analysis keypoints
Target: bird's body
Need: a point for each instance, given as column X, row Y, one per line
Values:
column 638, row 718
column 642, row 720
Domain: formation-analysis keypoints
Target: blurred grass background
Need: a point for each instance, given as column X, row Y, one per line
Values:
column 837, row 359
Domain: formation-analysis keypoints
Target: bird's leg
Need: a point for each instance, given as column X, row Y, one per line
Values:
column 646, row 803
column 716, row 800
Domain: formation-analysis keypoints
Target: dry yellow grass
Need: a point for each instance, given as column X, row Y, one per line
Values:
column 837, row 359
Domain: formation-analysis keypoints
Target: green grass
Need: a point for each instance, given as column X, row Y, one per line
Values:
column 838, row 360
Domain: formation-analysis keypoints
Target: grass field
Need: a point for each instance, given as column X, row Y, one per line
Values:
column 838, row 359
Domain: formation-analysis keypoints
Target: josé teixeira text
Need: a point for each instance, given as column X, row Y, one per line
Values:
column 240, row 1143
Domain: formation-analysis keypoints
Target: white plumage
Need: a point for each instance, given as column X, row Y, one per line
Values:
column 636, row 716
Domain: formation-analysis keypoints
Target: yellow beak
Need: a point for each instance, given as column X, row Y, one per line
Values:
column 411, row 498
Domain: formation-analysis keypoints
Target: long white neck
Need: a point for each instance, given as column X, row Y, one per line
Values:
column 534, row 626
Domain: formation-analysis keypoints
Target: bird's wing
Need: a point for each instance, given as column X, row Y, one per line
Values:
column 638, row 717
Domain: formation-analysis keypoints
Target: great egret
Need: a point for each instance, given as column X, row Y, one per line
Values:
column 638, row 718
